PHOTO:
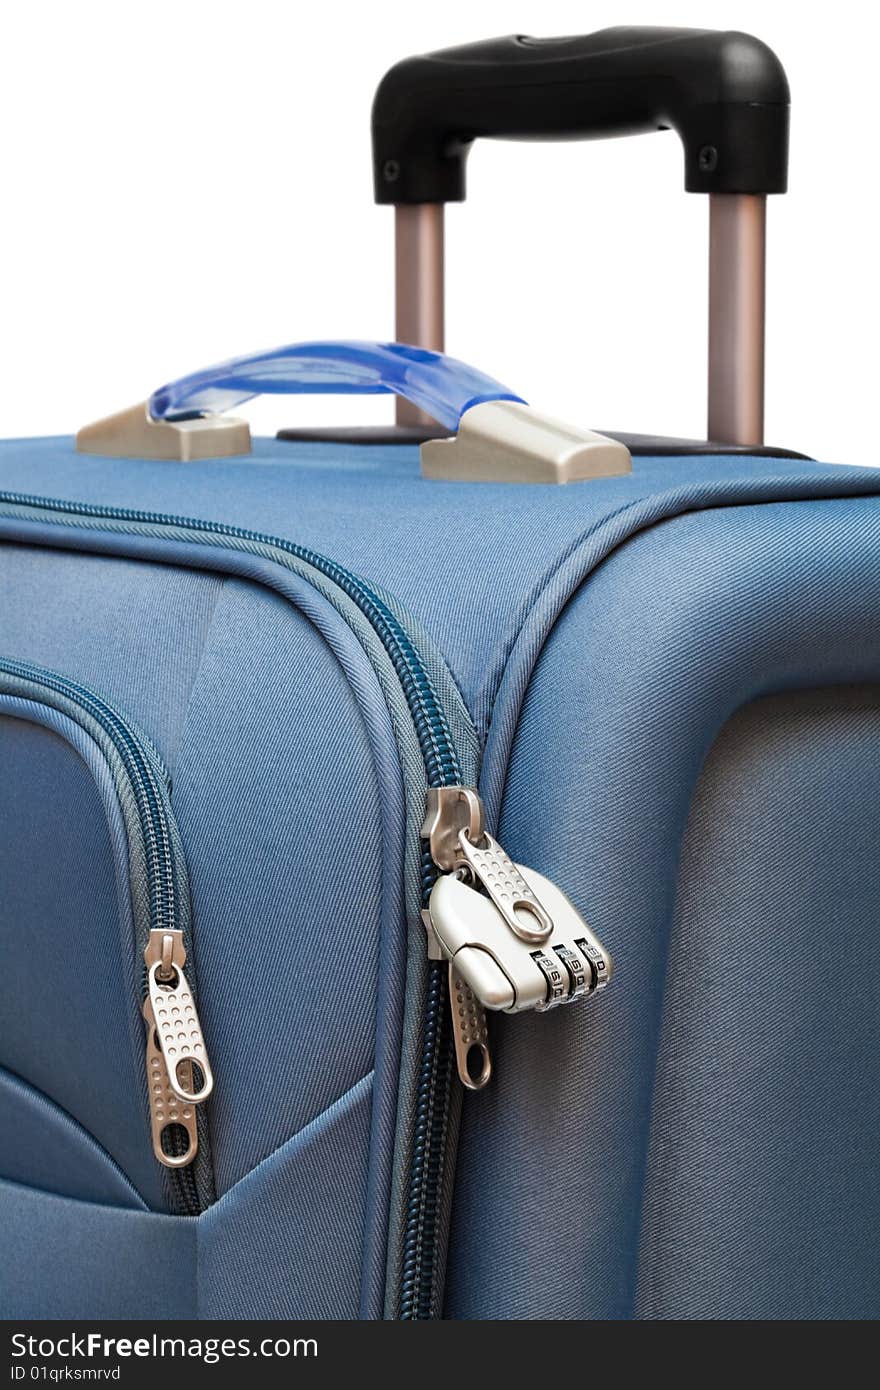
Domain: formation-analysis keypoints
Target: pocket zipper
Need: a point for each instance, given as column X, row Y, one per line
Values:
column 175, row 1046
column 454, row 1028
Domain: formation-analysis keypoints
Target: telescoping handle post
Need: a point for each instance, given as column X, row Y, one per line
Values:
column 726, row 95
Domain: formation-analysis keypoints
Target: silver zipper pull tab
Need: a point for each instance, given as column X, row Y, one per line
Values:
column 177, row 1026
column 470, row 1033
column 506, row 886
column 167, row 1110
column 469, row 1029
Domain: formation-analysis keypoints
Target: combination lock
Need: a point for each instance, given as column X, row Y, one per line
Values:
column 513, row 936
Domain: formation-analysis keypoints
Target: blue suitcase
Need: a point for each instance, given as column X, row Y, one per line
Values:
column 254, row 908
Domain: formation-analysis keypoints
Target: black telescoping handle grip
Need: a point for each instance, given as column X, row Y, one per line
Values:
column 725, row 93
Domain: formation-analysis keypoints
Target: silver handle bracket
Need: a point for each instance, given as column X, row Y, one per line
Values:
column 134, row 434
column 509, row 442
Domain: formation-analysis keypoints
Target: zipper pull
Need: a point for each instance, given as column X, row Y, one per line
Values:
column 179, row 1075
column 166, row 1107
column 503, row 881
column 513, row 939
column 469, row 1032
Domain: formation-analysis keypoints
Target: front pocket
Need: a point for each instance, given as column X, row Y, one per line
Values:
column 282, row 1243
column 120, row 1075
column 42, row 1146
column 87, row 1261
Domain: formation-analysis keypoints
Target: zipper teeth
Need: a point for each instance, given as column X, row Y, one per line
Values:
column 148, row 796
column 427, row 1166
column 423, row 1215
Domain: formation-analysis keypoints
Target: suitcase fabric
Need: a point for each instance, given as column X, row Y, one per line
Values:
column 619, row 633
column 224, row 687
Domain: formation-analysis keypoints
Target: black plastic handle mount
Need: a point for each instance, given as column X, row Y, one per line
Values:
column 725, row 93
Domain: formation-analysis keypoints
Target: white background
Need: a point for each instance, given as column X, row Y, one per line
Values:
column 182, row 182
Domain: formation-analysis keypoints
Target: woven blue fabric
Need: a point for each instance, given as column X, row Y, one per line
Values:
column 240, row 1259
column 287, row 1241
column 646, row 666
column 87, row 1261
column 43, row 1147
column 232, row 768
column 763, row 1187
column 428, row 542
column 595, row 740
column 334, row 799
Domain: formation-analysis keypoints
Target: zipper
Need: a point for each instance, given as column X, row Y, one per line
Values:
column 499, row 935
column 176, row 1058
column 421, row 1239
